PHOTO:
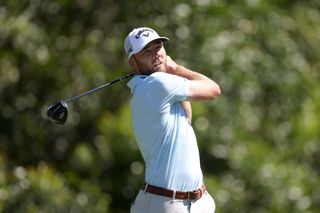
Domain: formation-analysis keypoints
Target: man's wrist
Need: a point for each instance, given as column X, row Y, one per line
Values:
column 179, row 69
column 183, row 72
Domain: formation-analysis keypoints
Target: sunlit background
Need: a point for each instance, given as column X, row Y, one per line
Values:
column 259, row 141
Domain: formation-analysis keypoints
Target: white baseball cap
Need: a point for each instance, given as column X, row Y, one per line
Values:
column 138, row 38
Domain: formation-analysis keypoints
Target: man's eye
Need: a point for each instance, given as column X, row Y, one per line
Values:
column 146, row 52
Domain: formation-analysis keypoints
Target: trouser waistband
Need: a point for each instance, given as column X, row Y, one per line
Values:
column 192, row 195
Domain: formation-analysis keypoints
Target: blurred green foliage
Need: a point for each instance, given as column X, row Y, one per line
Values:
column 259, row 141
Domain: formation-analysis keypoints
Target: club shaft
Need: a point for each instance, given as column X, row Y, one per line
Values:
column 100, row 87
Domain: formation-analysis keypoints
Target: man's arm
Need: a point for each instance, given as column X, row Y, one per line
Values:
column 200, row 86
column 187, row 107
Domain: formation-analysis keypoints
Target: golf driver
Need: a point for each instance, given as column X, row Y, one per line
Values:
column 58, row 111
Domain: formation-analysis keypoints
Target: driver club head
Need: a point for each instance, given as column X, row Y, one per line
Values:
column 58, row 112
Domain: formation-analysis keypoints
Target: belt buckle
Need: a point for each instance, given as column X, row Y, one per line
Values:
column 191, row 195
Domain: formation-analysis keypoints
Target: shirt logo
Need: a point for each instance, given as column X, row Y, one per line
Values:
column 144, row 32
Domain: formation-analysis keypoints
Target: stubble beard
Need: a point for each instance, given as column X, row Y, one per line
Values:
column 145, row 70
column 148, row 71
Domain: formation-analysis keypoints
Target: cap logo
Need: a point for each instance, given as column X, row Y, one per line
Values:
column 144, row 32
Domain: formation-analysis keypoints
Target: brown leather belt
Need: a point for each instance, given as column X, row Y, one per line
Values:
column 193, row 195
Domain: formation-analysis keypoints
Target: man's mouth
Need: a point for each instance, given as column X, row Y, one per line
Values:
column 156, row 65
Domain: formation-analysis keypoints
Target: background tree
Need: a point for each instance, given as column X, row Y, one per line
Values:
column 259, row 141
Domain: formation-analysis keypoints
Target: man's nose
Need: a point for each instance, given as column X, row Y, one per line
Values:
column 156, row 54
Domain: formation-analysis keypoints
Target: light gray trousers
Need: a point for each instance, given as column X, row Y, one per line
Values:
column 151, row 203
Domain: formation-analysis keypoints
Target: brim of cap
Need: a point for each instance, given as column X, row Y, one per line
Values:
column 164, row 39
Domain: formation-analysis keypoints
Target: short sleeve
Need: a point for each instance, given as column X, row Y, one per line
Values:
column 170, row 88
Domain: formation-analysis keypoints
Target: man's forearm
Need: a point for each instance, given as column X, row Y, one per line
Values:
column 176, row 69
column 187, row 107
column 200, row 87
column 189, row 74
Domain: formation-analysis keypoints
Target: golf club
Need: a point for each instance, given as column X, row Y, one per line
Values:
column 58, row 111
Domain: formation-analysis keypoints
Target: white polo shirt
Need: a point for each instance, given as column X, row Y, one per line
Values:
column 165, row 137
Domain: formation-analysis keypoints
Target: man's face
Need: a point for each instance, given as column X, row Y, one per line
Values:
column 152, row 58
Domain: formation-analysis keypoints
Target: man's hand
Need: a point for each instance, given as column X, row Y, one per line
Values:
column 171, row 65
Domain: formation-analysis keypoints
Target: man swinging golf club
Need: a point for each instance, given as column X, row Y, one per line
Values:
column 161, row 117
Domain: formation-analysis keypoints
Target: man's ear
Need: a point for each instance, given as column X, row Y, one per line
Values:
column 132, row 63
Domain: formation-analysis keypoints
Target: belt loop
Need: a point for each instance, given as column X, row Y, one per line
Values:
column 188, row 195
column 145, row 188
column 174, row 194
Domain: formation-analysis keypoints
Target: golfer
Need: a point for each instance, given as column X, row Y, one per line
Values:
column 161, row 117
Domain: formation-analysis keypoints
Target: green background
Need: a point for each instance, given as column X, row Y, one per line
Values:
column 259, row 141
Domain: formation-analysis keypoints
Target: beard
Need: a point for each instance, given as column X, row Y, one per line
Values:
column 146, row 70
